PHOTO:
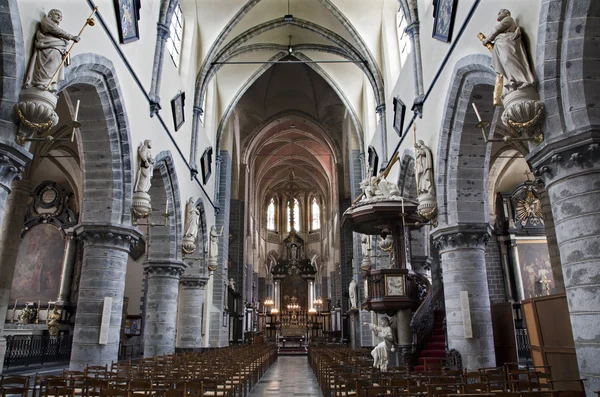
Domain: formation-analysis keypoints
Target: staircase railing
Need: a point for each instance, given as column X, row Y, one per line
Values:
column 422, row 321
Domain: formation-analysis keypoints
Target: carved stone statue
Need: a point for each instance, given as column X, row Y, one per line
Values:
column 515, row 83
column 366, row 245
column 352, row 293
column 141, row 199
column 192, row 219
column 213, row 250
column 50, row 46
column 509, row 57
column 377, row 187
column 143, row 180
column 53, row 322
column 232, row 283
column 425, row 181
column 380, row 352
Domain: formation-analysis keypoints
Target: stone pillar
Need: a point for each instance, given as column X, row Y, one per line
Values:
column 571, row 173
column 161, row 308
column 66, row 274
column 105, row 252
column 191, row 298
column 9, row 246
column 276, row 300
column 311, row 293
column 463, row 266
column 383, row 133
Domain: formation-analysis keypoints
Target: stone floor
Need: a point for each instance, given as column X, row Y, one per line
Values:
column 289, row 376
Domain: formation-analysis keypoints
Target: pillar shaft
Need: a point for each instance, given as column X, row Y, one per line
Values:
column 105, row 251
column 66, row 274
column 161, row 308
column 191, row 299
column 463, row 267
column 571, row 174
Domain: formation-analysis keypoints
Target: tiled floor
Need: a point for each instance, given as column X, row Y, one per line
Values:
column 289, row 376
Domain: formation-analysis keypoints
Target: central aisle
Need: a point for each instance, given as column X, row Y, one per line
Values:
column 289, row 376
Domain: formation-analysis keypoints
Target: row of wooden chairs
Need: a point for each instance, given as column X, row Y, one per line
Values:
column 341, row 371
column 228, row 371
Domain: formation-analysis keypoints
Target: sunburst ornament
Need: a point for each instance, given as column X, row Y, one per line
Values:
column 529, row 210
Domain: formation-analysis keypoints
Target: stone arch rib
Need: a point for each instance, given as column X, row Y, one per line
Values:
column 469, row 71
column 104, row 139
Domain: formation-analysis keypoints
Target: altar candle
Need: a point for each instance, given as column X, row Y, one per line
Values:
column 76, row 110
column 15, row 308
column 476, row 111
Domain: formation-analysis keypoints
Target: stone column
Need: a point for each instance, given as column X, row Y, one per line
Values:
column 105, row 252
column 161, row 307
column 571, row 173
column 383, row 133
column 277, row 303
column 191, row 298
column 9, row 246
column 66, row 274
column 462, row 250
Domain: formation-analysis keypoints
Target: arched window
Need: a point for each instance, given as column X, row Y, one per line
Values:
column 403, row 38
column 175, row 36
column 271, row 215
column 293, row 213
column 315, row 209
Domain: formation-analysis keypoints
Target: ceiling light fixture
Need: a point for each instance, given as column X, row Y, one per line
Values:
column 292, row 125
column 290, row 48
column 288, row 17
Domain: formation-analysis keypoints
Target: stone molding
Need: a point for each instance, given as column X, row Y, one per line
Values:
column 13, row 159
column 566, row 158
column 168, row 268
column 193, row 281
column 118, row 237
column 462, row 236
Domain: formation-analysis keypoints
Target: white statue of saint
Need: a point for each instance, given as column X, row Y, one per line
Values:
column 232, row 283
column 192, row 219
column 509, row 57
column 380, row 352
column 143, row 180
column 424, row 169
column 49, row 49
column 352, row 293
column 213, row 250
column 366, row 245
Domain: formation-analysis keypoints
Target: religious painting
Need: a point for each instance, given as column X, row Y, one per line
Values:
column 133, row 325
column 177, row 105
column 394, row 286
column 127, row 19
column 399, row 111
column 294, row 286
column 534, row 268
column 445, row 11
column 206, row 164
column 39, row 265
column 373, row 160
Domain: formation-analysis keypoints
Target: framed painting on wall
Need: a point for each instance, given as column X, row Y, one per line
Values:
column 177, row 105
column 128, row 14
column 133, row 325
column 206, row 164
column 443, row 20
column 399, row 111
column 373, row 159
column 534, row 268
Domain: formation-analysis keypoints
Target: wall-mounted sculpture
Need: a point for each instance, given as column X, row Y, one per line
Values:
column 143, row 180
column 366, row 251
column 352, row 294
column 37, row 104
column 380, row 352
column 213, row 250
column 523, row 110
column 192, row 220
column 425, row 181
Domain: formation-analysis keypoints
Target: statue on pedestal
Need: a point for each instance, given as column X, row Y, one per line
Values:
column 515, row 84
column 213, row 248
column 425, row 181
column 190, row 233
column 141, row 199
column 380, row 352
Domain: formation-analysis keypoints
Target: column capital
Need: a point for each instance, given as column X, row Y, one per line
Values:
column 13, row 159
column 197, row 111
column 218, row 159
column 165, row 268
column 163, row 31
column 412, row 29
column 461, row 236
column 120, row 237
column 564, row 158
column 193, row 281
column 380, row 108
